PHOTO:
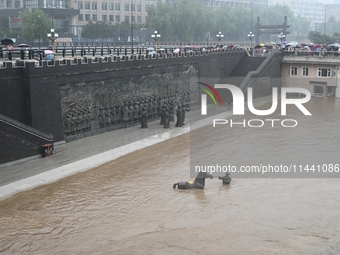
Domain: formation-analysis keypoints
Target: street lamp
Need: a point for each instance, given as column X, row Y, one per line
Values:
column 39, row 29
column 281, row 36
column 156, row 36
column 143, row 29
column 53, row 36
column 251, row 35
column 219, row 37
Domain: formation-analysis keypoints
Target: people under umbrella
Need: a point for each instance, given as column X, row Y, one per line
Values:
column 299, row 49
column 312, row 49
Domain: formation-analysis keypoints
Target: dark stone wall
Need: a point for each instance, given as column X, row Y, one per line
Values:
column 246, row 65
column 19, row 140
column 12, row 95
column 46, row 97
column 268, row 77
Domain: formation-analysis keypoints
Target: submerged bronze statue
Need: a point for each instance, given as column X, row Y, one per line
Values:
column 225, row 179
column 198, row 183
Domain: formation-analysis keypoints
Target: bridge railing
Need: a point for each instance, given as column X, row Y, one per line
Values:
column 93, row 51
column 306, row 53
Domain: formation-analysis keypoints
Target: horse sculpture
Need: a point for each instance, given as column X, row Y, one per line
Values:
column 225, row 179
column 198, row 183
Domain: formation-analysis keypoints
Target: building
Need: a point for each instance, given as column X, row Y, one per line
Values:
column 69, row 16
column 317, row 12
column 234, row 3
column 62, row 12
column 318, row 74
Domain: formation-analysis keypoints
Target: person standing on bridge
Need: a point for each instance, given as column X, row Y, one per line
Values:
column 10, row 50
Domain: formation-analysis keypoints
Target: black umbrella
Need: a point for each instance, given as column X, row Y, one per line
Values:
column 6, row 41
column 23, row 45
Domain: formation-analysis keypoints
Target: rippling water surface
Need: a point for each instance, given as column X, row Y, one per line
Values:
column 128, row 206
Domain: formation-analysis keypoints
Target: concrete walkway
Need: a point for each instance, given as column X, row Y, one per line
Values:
column 90, row 152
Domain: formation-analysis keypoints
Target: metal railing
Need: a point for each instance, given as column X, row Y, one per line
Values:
column 93, row 51
column 306, row 53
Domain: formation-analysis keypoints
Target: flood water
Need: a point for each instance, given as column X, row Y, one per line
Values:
column 128, row 206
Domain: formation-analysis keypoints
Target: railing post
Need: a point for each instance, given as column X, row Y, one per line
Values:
column 22, row 54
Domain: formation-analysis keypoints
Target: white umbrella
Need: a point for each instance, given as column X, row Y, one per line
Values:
column 176, row 50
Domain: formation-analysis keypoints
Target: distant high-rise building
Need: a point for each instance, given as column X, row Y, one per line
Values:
column 317, row 12
column 234, row 3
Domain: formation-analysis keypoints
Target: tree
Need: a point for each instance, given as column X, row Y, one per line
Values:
column 187, row 20
column 35, row 25
column 100, row 29
column 4, row 30
column 317, row 37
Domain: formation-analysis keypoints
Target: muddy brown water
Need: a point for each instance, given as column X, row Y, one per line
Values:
column 128, row 206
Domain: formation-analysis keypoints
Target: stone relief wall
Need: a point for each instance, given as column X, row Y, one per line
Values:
column 95, row 107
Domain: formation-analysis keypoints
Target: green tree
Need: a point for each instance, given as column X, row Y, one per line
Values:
column 4, row 31
column 35, row 25
column 336, row 37
column 185, row 20
column 100, row 29
column 317, row 37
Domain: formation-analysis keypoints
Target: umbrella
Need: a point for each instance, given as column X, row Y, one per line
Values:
column 150, row 48
column 49, row 57
column 176, row 50
column 49, row 47
column 48, row 52
column 261, row 44
column 23, row 45
column 6, row 41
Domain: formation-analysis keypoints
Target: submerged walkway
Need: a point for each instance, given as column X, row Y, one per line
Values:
column 87, row 153
column 90, row 152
